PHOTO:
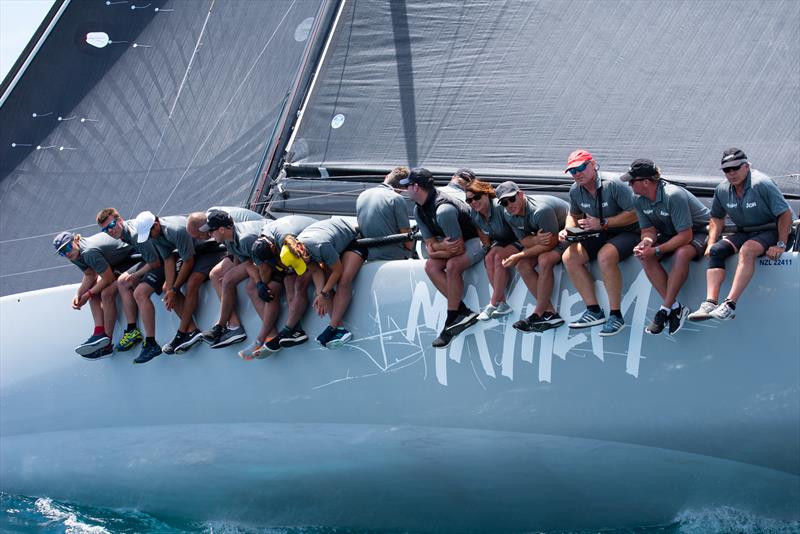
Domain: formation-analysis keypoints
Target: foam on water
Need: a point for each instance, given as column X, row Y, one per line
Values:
column 19, row 514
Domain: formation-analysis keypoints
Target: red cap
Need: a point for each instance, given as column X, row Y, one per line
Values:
column 577, row 158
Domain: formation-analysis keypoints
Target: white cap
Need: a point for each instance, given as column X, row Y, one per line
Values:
column 144, row 221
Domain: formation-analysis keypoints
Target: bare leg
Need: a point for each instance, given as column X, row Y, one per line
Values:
column 270, row 312
column 575, row 260
column 351, row 264
column 231, row 279
column 608, row 259
column 679, row 273
column 142, row 295
column 108, row 299
column 252, row 293
column 500, row 277
column 656, row 274
column 455, row 282
column 547, row 262
column 526, row 268
column 299, row 302
column 96, row 307
column 714, row 279
column 189, row 303
column 435, row 271
column 125, row 286
column 745, row 268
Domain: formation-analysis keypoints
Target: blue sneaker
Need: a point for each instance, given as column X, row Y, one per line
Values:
column 340, row 337
column 326, row 335
column 93, row 344
column 149, row 351
column 613, row 326
column 589, row 319
column 99, row 354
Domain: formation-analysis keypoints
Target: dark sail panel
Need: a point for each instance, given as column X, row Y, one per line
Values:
column 172, row 115
column 514, row 87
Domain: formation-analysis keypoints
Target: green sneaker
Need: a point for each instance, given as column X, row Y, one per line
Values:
column 129, row 340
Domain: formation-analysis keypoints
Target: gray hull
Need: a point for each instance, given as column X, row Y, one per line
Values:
column 500, row 430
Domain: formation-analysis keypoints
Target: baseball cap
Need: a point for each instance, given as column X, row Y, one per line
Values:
column 292, row 261
column 577, row 158
column 262, row 250
column 62, row 239
column 420, row 176
column 144, row 221
column 640, row 168
column 465, row 174
column 733, row 157
column 506, row 189
column 216, row 219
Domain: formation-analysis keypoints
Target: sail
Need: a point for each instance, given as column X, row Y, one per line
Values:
column 511, row 88
column 167, row 106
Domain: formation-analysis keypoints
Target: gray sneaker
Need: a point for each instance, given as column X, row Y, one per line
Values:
column 230, row 336
column 703, row 313
column 487, row 313
column 589, row 319
column 723, row 312
column 502, row 309
column 613, row 326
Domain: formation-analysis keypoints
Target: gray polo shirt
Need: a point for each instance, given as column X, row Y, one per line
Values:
column 101, row 251
column 278, row 229
column 674, row 210
column 326, row 240
column 244, row 234
column 617, row 198
column 495, row 226
column 542, row 212
column 761, row 203
column 174, row 236
column 447, row 217
column 146, row 249
column 381, row 212
column 454, row 190
column 239, row 214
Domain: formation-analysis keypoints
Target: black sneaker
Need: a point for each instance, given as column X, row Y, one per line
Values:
column 443, row 340
column 212, row 336
column 99, row 354
column 291, row 338
column 552, row 319
column 462, row 321
column 91, row 345
column 230, row 336
column 149, row 351
column 657, row 326
column 326, row 335
column 274, row 344
column 169, row 348
column 676, row 319
column 189, row 340
column 529, row 324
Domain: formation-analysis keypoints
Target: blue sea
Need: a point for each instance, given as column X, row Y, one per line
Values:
column 20, row 514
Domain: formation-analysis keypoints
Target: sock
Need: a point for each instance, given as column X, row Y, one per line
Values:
column 675, row 305
column 99, row 331
column 594, row 308
column 731, row 303
column 149, row 340
column 662, row 307
column 712, row 301
column 616, row 313
column 451, row 315
column 131, row 326
column 463, row 307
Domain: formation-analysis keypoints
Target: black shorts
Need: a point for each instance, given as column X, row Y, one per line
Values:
column 624, row 242
column 699, row 242
column 767, row 238
column 206, row 260
column 128, row 265
column 155, row 278
column 278, row 275
column 355, row 247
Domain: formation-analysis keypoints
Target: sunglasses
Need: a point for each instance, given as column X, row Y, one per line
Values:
column 110, row 226
column 732, row 169
column 580, row 168
column 474, row 198
column 508, row 200
column 66, row 249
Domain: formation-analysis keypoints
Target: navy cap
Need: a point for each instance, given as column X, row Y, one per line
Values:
column 640, row 168
column 420, row 176
column 216, row 219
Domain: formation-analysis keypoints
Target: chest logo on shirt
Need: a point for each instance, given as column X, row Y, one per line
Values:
column 647, row 212
column 732, row 204
column 663, row 214
column 585, row 205
column 605, row 204
column 750, row 205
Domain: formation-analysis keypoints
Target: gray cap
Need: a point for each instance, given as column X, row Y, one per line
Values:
column 506, row 189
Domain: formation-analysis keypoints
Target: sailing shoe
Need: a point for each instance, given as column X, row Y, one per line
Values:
column 527, row 324
column 658, row 323
column 212, row 336
column 613, row 326
column 487, row 313
column 724, row 312
column 703, row 313
column 339, row 338
column 99, row 354
column 462, row 321
column 502, row 309
column 273, row 344
column 326, row 335
column 253, row 352
column 443, row 340
column 552, row 319
column 169, row 348
column 589, row 319
column 189, row 340
column 130, row 338
column 149, row 351
column 676, row 319
column 230, row 336
column 292, row 337
column 92, row 344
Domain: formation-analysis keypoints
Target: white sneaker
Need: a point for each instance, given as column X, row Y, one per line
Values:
column 254, row 352
column 502, row 309
column 723, row 312
column 487, row 312
column 703, row 313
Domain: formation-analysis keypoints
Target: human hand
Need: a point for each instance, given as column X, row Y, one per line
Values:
column 264, row 292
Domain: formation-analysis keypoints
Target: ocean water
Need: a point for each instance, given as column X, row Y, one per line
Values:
column 21, row 514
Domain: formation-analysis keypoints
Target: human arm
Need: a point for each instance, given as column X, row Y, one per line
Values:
column 715, row 227
column 89, row 279
column 784, row 226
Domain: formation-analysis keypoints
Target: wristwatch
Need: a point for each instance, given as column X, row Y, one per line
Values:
column 325, row 294
column 781, row 244
column 604, row 224
column 658, row 252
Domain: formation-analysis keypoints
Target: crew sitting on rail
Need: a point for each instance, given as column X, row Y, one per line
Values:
column 270, row 274
column 101, row 258
column 602, row 209
column 672, row 221
column 381, row 211
column 112, row 223
column 536, row 221
column 452, row 245
column 457, row 186
column 751, row 200
column 498, row 240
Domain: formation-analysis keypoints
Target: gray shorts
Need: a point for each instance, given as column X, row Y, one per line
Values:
column 473, row 248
